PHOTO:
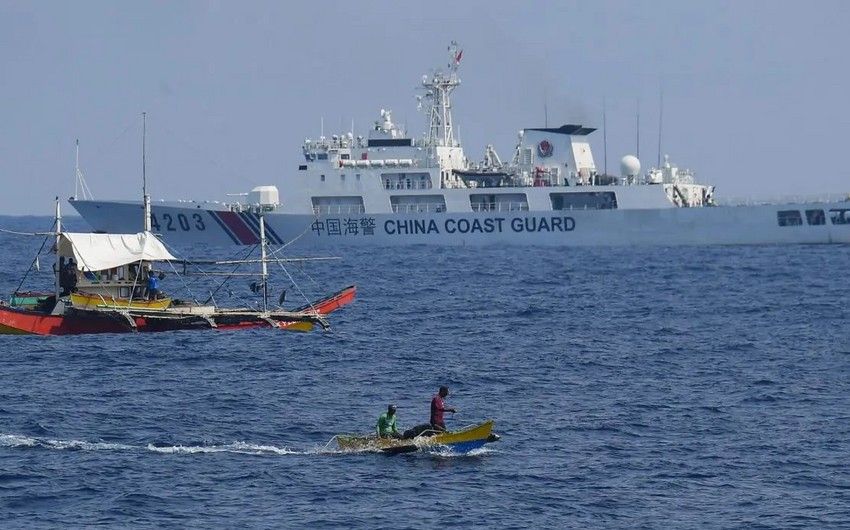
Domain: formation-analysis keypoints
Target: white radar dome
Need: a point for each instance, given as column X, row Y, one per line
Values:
column 267, row 197
column 629, row 166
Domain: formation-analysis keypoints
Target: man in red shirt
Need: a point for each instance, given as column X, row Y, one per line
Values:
column 438, row 407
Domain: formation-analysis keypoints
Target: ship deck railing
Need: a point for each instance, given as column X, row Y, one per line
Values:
column 782, row 199
column 425, row 207
column 499, row 207
column 329, row 209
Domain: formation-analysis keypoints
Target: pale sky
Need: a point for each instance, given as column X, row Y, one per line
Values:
column 755, row 93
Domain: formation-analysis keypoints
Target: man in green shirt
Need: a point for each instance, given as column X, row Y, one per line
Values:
column 386, row 424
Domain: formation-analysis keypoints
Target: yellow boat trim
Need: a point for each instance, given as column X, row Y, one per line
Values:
column 297, row 326
column 96, row 301
column 469, row 434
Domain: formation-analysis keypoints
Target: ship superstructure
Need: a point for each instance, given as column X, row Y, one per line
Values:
column 390, row 187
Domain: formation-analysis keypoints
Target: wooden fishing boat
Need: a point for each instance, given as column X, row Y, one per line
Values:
column 459, row 441
column 108, row 283
column 109, row 319
column 102, row 285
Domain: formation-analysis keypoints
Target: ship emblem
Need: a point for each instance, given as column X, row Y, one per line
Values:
column 545, row 148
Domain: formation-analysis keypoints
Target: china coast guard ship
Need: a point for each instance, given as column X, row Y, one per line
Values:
column 388, row 188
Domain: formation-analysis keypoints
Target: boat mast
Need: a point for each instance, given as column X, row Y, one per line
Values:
column 660, row 123
column 81, row 189
column 637, row 130
column 265, row 270
column 145, row 197
column 58, row 272
column 77, row 170
column 605, row 136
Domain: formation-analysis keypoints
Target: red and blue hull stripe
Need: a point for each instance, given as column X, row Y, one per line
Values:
column 243, row 227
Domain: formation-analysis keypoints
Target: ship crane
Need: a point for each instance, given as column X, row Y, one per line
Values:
column 491, row 158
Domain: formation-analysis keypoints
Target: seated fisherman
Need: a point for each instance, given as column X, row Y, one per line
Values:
column 386, row 424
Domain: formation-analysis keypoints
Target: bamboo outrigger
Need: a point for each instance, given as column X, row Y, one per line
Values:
column 107, row 283
column 101, row 287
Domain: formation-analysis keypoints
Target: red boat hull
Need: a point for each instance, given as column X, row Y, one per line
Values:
column 325, row 305
column 27, row 322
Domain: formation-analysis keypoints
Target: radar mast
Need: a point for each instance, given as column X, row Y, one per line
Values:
column 438, row 89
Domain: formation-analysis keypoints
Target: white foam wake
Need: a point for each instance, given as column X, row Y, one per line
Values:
column 21, row 441
column 244, row 448
column 17, row 440
column 235, row 447
column 448, row 452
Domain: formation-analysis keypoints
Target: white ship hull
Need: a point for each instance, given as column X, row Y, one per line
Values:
column 190, row 223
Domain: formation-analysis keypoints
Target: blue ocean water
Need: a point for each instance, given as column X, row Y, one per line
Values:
column 654, row 387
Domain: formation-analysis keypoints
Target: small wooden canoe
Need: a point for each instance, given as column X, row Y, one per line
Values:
column 460, row 441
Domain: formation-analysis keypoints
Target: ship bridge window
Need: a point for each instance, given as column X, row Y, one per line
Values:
column 498, row 202
column 406, row 181
column 322, row 156
column 815, row 217
column 840, row 216
column 338, row 205
column 344, row 156
column 584, row 200
column 789, row 218
column 418, row 203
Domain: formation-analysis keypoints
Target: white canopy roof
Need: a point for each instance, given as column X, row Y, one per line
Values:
column 97, row 252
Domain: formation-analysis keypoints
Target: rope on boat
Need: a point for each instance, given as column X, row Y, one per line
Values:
column 280, row 248
column 227, row 278
column 296, row 238
column 37, row 254
column 274, row 254
column 204, row 274
column 291, row 279
column 326, row 447
column 185, row 283
column 16, row 233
